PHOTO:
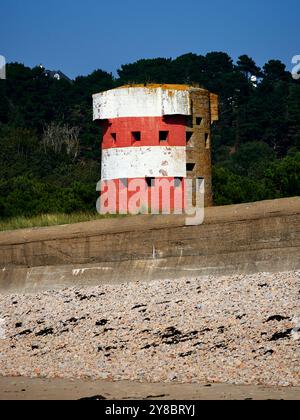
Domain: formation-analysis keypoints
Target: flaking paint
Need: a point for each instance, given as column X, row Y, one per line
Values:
column 130, row 102
column 141, row 162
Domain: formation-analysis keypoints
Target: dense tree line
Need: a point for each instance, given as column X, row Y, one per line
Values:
column 256, row 143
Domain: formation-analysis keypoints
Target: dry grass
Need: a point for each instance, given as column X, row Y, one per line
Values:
column 48, row 220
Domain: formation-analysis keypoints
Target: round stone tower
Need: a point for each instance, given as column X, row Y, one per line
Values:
column 155, row 132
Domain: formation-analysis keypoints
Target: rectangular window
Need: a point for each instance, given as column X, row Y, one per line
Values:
column 150, row 182
column 189, row 122
column 190, row 167
column 199, row 121
column 163, row 135
column 207, row 140
column 189, row 135
column 136, row 136
column 177, row 182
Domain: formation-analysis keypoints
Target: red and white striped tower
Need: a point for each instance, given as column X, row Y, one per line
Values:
column 145, row 134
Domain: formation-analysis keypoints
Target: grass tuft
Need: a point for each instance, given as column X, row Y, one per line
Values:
column 21, row 222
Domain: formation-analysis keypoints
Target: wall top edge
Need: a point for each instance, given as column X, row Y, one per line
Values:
column 175, row 87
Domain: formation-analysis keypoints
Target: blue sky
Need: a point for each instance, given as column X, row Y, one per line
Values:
column 78, row 37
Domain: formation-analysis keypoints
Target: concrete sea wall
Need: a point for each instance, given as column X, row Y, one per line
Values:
column 246, row 238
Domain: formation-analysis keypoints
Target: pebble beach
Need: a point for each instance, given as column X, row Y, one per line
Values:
column 242, row 330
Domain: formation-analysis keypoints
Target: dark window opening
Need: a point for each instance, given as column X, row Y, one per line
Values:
column 207, row 140
column 114, row 136
column 136, row 135
column 199, row 121
column 150, row 182
column 124, row 182
column 163, row 136
column 189, row 135
column 190, row 167
column 177, row 182
column 189, row 122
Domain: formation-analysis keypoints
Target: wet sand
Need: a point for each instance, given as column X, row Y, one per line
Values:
column 60, row 389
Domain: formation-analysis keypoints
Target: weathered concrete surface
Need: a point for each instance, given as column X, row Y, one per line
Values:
column 138, row 162
column 129, row 101
column 246, row 238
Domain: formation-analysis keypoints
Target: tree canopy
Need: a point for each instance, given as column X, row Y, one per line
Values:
column 256, row 143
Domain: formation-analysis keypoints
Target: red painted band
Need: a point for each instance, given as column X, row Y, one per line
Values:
column 144, row 131
column 169, row 196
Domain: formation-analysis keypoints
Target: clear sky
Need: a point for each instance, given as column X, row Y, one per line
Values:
column 78, row 37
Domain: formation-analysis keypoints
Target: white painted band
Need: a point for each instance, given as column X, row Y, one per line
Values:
column 141, row 102
column 140, row 162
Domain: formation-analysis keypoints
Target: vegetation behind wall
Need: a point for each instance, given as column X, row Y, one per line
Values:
column 50, row 148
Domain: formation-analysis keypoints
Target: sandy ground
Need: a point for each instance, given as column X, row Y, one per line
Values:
column 59, row 389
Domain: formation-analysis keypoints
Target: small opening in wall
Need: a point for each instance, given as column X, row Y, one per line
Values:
column 150, row 181
column 189, row 135
column 114, row 137
column 124, row 182
column 199, row 121
column 207, row 140
column 136, row 136
column 189, row 121
column 177, row 182
column 190, row 167
column 163, row 135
